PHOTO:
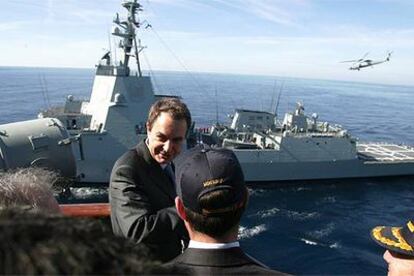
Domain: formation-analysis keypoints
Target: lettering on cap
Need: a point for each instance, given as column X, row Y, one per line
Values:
column 213, row 182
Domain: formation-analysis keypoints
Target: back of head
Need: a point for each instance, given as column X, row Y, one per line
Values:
column 173, row 106
column 40, row 243
column 217, row 224
column 211, row 185
column 28, row 187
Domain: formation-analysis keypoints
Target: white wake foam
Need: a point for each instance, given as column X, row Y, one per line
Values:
column 257, row 192
column 268, row 213
column 309, row 242
column 318, row 234
column 316, row 243
column 328, row 199
column 295, row 215
column 335, row 245
column 246, row 233
column 87, row 192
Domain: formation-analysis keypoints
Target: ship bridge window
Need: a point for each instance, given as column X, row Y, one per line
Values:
column 251, row 118
column 259, row 117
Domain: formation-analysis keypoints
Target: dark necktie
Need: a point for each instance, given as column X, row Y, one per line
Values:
column 170, row 173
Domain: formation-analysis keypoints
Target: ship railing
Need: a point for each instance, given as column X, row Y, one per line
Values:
column 313, row 134
column 401, row 144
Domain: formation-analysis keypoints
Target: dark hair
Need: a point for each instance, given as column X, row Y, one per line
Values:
column 38, row 243
column 173, row 106
column 216, row 224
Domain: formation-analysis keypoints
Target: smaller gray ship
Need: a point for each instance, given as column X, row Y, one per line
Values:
column 302, row 148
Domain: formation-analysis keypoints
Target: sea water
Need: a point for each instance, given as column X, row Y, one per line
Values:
column 309, row 227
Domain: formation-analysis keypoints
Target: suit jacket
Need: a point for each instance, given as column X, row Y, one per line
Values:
column 142, row 196
column 195, row 261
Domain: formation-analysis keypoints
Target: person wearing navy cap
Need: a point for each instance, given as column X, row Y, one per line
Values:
column 399, row 245
column 211, row 198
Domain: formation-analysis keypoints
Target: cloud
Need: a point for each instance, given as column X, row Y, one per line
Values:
column 276, row 11
column 91, row 16
column 13, row 25
column 50, row 11
column 178, row 35
column 354, row 37
column 71, row 12
column 273, row 11
column 187, row 4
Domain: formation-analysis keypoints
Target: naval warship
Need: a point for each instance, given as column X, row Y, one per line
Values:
column 302, row 148
column 83, row 139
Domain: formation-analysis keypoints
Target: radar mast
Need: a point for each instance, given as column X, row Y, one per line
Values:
column 126, row 30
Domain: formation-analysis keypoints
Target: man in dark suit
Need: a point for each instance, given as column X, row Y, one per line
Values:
column 212, row 196
column 142, row 186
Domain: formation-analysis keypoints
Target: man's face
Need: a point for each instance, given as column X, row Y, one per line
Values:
column 398, row 265
column 166, row 137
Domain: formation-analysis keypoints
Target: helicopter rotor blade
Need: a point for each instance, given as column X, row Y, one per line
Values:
column 366, row 54
column 349, row 61
column 357, row 60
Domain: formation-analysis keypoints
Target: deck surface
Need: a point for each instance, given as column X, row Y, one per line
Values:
column 385, row 152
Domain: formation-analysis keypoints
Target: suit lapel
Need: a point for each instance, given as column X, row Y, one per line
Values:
column 158, row 176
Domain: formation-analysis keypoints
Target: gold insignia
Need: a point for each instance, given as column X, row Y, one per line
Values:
column 376, row 232
column 213, row 182
column 410, row 226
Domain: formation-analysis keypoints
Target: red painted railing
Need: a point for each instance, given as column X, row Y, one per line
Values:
column 97, row 210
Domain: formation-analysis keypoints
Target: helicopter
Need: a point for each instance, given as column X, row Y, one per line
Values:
column 358, row 64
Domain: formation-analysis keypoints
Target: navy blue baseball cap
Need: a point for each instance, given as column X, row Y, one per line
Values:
column 202, row 170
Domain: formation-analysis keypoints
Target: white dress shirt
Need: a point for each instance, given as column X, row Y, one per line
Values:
column 205, row 245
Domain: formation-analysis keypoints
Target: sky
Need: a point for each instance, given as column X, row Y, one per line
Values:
column 281, row 38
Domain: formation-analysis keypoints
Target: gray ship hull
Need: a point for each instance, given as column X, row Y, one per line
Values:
column 371, row 160
column 289, row 171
